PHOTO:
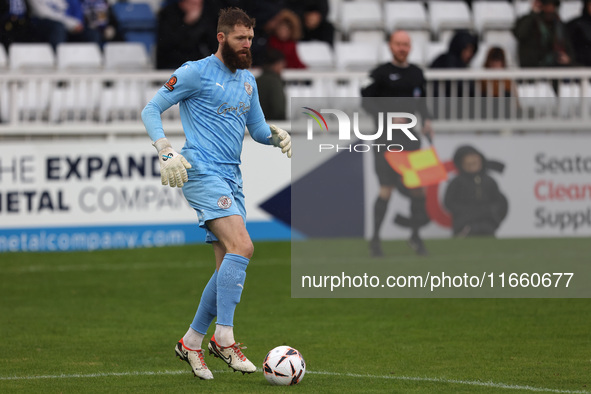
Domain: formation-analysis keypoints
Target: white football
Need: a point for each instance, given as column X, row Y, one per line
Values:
column 284, row 366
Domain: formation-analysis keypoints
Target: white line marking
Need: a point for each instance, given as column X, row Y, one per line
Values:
column 325, row 373
column 453, row 381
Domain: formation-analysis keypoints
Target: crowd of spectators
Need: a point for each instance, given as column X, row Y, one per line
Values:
column 56, row 21
column 186, row 30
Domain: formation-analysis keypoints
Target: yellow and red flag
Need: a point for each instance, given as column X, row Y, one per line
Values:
column 418, row 168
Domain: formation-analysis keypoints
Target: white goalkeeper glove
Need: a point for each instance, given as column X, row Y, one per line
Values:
column 281, row 139
column 173, row 166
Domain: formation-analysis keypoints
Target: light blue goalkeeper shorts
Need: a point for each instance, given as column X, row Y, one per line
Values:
column 214, row 197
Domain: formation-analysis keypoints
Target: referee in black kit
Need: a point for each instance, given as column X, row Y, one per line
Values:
column 406, row 81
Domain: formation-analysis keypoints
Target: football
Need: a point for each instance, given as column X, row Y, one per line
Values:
column 284, row 366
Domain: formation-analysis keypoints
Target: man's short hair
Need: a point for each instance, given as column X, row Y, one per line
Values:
column 232, row 16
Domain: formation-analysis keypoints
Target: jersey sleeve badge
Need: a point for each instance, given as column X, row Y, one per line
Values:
column 248, row 88
column 170, row 84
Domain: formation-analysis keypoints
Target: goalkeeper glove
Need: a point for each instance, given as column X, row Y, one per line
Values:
column 173, row 166
column 281, row 139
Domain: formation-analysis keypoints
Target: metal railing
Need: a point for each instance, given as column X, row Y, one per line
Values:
column 110, row 103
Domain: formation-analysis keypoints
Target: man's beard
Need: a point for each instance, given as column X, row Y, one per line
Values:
column 233, row 60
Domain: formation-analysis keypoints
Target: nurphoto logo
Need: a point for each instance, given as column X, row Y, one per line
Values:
column 394, row 122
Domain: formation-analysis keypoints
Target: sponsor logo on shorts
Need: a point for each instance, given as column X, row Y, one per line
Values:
column 224, row 202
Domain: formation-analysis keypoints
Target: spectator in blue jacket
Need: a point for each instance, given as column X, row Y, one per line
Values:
column 57, row 21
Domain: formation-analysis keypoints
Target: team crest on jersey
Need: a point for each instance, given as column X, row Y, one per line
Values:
column 248, row 88
column 224, row 202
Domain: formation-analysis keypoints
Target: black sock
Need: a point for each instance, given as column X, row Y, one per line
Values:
column 418, row 214
column 379, row 212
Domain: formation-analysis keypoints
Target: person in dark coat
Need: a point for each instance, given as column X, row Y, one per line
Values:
column 314, row 17
column 580, row 35
column 462, row 48
column 473, row 198
column 542, row 37
column 270, row 86
column 186, row 32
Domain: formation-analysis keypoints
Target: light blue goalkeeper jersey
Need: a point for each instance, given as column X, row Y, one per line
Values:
column 215, row 106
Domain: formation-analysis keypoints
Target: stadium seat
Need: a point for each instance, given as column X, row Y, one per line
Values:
column 147, row 38
column 538, row 97
column 569, row 10
column 79, row 57
column 155, row 5
column 493, row 15
column 77, row 99
column 522, row 7
column 405, row 15
column 360, row 15
column 137, row 22
column 334, row 8
column 4, row 100
column 315, row 54
column 130, row 56
column 32, row 99
column 367, row 35
column 573, row 99
column 124, row 98
column 360, row 56
column 504, row 39
column 418, row 42
column 449, row 15
column 134, row 16
column 31, row 57
column 479, row 58
column 433, row 50
column 3, row 58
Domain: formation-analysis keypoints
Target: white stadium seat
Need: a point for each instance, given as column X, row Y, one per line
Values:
column 538, row 97
column 31, row 57
column 78, row 98
column 3, row 57
column 569, row 10
column 124, row 99
column 522, row 7
column 405, row 15
column 360, row 56
column 449, row 15
column 360, row 15
column 367, row 35
column 4, row 106
column 126, row 56
column 32, row 99
column 433, row 50
column 315, row 54
column 418, row 41
column 334, row 9
column 504, row 39
column 493, row 15
column 79, row 56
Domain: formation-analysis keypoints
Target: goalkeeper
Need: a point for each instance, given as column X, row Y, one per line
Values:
column 218, row 97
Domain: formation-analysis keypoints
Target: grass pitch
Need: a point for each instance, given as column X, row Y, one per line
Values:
column 108, row 321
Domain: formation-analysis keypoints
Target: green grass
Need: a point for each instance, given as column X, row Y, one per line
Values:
column 109, row 320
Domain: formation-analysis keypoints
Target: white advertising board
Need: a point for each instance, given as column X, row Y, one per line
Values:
column 94, row 194
column 546, row 179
